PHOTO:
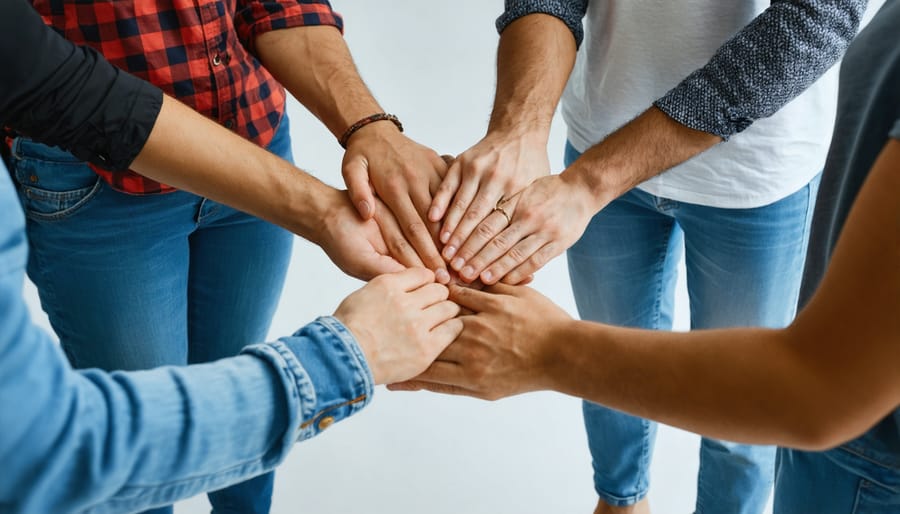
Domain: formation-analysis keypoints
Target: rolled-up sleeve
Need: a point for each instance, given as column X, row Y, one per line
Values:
column 256, row 17
column 771, row 61
column 69, row 96
column 570, row 12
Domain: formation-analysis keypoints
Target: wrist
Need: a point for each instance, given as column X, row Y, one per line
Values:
column 524, row 131
column 588, row 187
column 310, row 210
column 380, row 126
column 552, row 362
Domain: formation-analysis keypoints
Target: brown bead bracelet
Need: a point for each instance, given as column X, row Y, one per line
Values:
column 365, row 121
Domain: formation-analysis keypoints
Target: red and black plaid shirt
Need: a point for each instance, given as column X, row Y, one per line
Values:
column 197, row 51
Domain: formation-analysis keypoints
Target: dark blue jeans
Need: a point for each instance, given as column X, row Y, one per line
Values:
column 136, row 282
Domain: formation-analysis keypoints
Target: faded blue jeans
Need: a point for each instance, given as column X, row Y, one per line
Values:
column 743, row 269
column 136, row 282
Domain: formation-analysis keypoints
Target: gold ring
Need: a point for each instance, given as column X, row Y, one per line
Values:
column 504, row 213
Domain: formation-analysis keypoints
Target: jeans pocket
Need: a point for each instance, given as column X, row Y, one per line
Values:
column 872, row 498
column 53, row 184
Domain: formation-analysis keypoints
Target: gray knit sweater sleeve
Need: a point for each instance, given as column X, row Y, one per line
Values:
column 569, row 11
column 765, row 65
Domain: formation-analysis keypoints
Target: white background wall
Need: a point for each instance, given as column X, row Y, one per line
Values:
column 432, row 63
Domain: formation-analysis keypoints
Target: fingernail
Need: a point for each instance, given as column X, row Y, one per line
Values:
column 457, row 263
column 468, row 272
column 487, row 276
column 433, row 214
column 442, row 276
column 449, row 252
column 364, row 208
column 446, row 237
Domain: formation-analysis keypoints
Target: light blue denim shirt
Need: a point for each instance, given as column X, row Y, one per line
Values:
column 90, row 441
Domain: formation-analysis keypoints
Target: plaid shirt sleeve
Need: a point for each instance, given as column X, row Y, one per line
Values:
column 255, row 17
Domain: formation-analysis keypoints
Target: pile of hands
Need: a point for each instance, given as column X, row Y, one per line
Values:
column 447, row 244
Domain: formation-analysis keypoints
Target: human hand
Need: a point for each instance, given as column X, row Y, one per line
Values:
column 505, row 347
column 363, row 249
column 404, row 174
column 537, row 224
column 496, row 167
column 402, row 322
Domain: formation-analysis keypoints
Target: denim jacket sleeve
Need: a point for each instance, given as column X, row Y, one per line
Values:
column 90, row 441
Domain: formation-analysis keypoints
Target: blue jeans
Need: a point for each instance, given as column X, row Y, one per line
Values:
column 136, row 282
column 743, row 269
column 859, row 477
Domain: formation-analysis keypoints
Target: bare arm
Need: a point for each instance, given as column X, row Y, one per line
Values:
column 534, row 59
column 825, row 379
column 768, row 63
column 217, row 167
column 315, row 65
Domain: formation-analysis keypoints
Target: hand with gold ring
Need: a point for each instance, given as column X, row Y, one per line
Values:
column 524, row 232
column 500, row 164
column 499, row 208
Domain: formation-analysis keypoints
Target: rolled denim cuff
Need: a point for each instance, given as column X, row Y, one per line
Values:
column 327, row 372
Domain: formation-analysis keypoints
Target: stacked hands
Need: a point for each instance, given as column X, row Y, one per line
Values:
column 424, row 229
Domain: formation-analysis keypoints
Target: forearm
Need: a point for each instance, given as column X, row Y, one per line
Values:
column 746, row 385
column 315, row 65
column 229, row 169
column 827, row 378
column 645, row 147
column 129, row 441
column 534, row 59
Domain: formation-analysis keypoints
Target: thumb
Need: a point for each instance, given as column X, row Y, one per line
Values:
column 356, row 176
column 472, row 299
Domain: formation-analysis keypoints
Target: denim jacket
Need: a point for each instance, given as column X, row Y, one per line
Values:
column 90, row 441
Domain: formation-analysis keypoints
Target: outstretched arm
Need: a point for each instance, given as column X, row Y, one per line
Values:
column 315, row 65
column 825, row 379
column 768, row 63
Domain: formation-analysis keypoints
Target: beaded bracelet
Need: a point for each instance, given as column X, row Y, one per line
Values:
column 365, row 121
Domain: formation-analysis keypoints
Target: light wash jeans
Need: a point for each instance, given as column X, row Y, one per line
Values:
column 743, row 269
column 136, row 282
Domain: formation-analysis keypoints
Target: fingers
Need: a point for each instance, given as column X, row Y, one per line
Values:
column 356, row 177
column 419, row 237
column 485, row 200
column 531, row 265
column 377, row 266
column 505, row 289
column 414, row 385
column 410, row 279
column 444, row 194
column 447, row 331
column 499, row 263
column 465, row 193
column 496, row 230
column 439, row 313
column 429, row 294
column 472, row 299
column 395, row 241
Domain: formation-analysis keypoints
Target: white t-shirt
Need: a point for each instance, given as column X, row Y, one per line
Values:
column 634, row 51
